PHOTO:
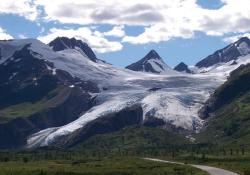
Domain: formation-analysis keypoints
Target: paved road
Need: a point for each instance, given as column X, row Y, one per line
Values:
column 209, row 169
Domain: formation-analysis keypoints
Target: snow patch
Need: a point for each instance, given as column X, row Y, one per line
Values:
column 243, row 48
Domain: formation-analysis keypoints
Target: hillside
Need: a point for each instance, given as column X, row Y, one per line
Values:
column 228, row 111
column 135, row 138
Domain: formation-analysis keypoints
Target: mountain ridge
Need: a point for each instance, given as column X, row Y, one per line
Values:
column 34, row 96
column 231, row 52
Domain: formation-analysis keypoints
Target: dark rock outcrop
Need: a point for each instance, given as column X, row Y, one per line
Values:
column 154, row 122
column 61, row 43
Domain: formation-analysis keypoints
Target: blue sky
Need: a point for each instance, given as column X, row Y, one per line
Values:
column 173, row 51
column 178, row 30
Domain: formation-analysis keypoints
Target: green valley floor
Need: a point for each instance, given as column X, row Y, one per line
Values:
column 103, row 166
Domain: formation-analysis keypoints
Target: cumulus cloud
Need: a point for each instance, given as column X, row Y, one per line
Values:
column 234, row 17
column 183, row 20
column 95, row 39
column 25, row 8
column 162, row 20
column 131, row 12
column 4, row 35
column 117, row 31
column 158, row 33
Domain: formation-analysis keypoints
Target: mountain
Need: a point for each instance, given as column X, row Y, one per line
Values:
column 227, row 111
column 34, row 95
column 60, row 97
column 62, row 43
column 152, row 63
column 231, row 52
column 182, row 67
column 130, row 98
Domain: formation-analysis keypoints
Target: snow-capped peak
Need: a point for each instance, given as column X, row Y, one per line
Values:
column 62, row 43
column 231, row 52
column 152, row 63
column 243, row 46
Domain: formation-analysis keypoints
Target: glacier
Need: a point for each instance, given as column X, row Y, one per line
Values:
column 177, row 100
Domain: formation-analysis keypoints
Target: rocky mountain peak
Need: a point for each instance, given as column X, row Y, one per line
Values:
column 152, row 63
column 62, row 43
column 152, row 54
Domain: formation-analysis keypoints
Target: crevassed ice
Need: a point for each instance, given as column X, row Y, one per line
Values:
column 177, row 100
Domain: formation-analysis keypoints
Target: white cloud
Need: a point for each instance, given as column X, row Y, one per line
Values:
column 234, row 38
column 4, row 35
column 183, row 21
column 95, row 39
column 157, row 33
column 234, row 17
column 117, row 31
column 131, row 12
column 25, row 8
column 163, row 20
